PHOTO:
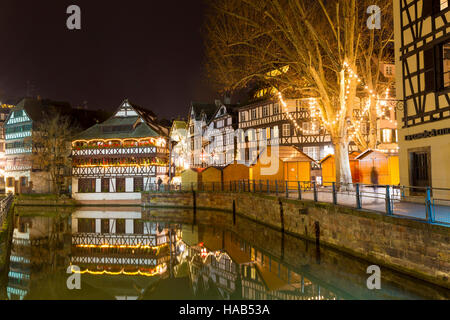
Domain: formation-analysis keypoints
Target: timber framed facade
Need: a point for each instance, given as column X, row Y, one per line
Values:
column 121, row 157
column 423, row 85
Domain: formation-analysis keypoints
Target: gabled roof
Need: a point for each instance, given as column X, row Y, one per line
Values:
column 368, row 152
column 139, row 126
column 37, row 109
column 203, row 109
column 288, row 154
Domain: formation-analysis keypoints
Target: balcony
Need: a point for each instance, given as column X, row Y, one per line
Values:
column 113, row 151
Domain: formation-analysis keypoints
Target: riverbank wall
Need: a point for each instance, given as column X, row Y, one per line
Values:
column 412, row 247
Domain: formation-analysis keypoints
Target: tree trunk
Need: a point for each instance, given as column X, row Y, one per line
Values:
column 373, row 126
column 342, row 163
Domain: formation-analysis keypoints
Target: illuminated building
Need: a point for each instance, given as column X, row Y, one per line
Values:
column 121, row 157
column 211, row 139
column 423, row 83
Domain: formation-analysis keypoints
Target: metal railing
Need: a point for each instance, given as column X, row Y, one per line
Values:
column 5, row 204
column 426, row 204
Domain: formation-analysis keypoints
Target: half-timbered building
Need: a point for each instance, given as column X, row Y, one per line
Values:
column 423, row 86
column 266, row 121
column 209, row 134
column 121, row 157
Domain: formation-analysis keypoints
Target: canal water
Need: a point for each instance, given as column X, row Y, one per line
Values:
column 131, row 253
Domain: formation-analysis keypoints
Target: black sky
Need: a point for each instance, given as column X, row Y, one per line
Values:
column 148, row 51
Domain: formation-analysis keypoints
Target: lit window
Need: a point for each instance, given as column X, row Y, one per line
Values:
column 444, row 4
column 386, row 135
column 268, row 136
column 389, row 70
column 313, row 152
column 276, row 133
column 286, row 130
column 276, row 108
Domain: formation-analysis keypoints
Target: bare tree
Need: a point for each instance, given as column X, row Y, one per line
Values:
column 319, row 49
column 51, row 148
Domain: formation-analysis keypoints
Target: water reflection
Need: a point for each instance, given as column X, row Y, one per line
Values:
column 127, row 254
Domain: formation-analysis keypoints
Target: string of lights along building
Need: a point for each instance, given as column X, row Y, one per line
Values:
column 121, row 157
column 423, row 82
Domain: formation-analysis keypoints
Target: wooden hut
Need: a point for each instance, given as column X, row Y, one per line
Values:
column 377, row 167
column 328, row 165
column 191, row 176
column 235, row 171
column 212, row 174
column 293, row 165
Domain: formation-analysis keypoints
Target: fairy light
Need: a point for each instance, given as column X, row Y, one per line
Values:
column 354, row 128
column 160, row 269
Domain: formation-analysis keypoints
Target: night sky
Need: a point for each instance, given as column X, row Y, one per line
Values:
column 150, row 52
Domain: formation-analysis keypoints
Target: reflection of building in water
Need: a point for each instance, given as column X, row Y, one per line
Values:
column 120, row 245
column 224, row 263
column 37, row 247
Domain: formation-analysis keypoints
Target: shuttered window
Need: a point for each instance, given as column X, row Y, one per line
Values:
column 430, row 70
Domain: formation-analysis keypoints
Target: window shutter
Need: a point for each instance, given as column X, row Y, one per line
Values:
column 430, row 7
column 430, row 72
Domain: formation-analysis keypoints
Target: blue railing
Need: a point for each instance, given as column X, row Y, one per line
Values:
column 430, row 205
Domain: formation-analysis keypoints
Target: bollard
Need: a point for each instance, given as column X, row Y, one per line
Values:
column 254, row 186
column 358, row 197
column 260, row 186
column 334, row 194
column 287, row 190
column 388, row 201
column 268, row 187
column 276, row 187
column 315, row 192
column 299, row 190
column 429, row 206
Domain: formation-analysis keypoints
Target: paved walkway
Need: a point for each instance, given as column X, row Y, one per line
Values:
column 375, row 201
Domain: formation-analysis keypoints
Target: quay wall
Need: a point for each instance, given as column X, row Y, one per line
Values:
column 416, row 248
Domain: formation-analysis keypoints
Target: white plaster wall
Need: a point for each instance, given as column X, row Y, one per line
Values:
column 107, row 196
column 98, row 185
column 129, row 226
column 129, row 185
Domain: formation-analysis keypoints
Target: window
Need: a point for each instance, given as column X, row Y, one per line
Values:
column 286, row 130
column 120, row 185
column 23, row 181
column 138, row 226
column 268, row 135
column 276, row 133
column 10, row 182
column 433, row 7
column 254, row 114
column 386, row 136
column 446, row 65
column 86, row 225
column 265, row 111
column 276, row 108
column 389, row 70
column 105, row 185
column 105, row 226
column 243, row 117
column 138, row 184
column 120, row 226
column 313, row 152
column 310, row 128
column 86, row 185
